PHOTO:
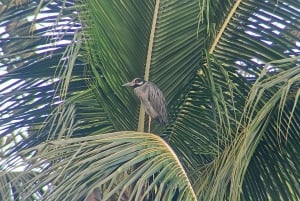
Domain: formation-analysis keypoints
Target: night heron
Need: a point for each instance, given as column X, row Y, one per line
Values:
column 152, row 99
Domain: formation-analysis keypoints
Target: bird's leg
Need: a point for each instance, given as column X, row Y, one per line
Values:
column 149, row 123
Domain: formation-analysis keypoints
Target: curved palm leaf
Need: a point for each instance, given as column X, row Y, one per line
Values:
column 32, row 48
column 250, row 40
column 229, row 111
column 114, row 162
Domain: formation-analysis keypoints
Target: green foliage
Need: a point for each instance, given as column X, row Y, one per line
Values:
column 230, row 74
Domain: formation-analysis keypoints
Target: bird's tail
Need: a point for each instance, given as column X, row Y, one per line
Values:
column 163, row 121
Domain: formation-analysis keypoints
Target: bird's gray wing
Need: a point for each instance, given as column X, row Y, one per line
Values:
column 158, row 102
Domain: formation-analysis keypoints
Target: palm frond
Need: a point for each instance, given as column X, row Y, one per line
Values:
column 232, row 96
column 260, row 41
column 280, row 95
column 29, row 59
column 113, row 162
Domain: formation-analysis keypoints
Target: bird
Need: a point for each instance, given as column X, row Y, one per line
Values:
column 151, row 98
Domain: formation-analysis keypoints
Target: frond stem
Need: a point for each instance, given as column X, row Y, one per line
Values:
column 148, row 62
column 226, row 22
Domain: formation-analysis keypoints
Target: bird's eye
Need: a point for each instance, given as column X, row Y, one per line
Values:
column 138, row 81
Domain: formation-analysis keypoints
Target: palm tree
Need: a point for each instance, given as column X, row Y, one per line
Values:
column 229, row 71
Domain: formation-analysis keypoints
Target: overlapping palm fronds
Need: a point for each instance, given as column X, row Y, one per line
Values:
column 229, row 70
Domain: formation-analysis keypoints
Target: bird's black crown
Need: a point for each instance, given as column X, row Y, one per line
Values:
column 138, row 82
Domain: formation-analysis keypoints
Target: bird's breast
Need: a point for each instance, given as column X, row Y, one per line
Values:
column 142, row 93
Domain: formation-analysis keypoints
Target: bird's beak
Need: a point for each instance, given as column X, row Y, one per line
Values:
column 129, row 84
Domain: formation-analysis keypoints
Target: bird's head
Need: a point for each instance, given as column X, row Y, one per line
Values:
column 136, row 82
